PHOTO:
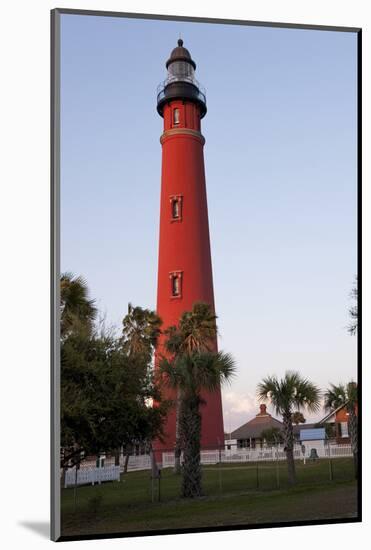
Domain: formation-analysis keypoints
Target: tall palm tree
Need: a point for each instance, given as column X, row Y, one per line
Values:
column 77, row 310
column 196, row 332
column 291, row 392
column 346, row 396
column 191, row 373
column 141, row 330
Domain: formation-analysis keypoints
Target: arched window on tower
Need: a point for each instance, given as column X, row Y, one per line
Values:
column 176, row 116
column 176, row 208
column 176, row 284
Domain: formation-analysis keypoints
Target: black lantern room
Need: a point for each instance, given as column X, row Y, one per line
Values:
column 180, row 82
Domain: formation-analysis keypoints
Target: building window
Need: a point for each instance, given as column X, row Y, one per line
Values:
column 176, row 284
column 344, row 429
column 176, row 116
column 176, row 208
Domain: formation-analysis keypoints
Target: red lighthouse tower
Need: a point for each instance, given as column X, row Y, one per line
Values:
column 184, row 265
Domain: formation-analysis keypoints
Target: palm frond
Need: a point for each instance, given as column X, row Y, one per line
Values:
column 335, row 396
column 291, row 391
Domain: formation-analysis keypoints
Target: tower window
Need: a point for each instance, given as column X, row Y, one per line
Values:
column 176, row 208
column 176, row 284
column 176, row 116
column 176, row 212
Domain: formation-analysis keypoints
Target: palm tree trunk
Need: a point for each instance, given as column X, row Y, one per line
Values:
column 289, row 447
column 190, row 430
column 353, row 432
column 178, row 444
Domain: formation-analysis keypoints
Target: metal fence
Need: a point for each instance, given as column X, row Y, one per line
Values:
column 94, row 470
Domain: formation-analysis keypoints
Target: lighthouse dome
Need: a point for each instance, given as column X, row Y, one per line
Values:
column 180, row 82
column 180, row 54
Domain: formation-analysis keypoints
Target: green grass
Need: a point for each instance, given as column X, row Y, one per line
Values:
column 233, row 494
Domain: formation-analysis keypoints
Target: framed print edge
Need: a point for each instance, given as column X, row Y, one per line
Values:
column 55, row 492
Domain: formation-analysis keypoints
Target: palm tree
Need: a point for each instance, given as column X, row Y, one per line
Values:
column 191, row 373
column 196, row 332
column 141, row 330
column 353, row 311
column 77, row 310
column 346, row 396
column 140, row 333
column 292, row 391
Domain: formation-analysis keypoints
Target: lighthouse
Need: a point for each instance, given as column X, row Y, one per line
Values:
column 184, row 262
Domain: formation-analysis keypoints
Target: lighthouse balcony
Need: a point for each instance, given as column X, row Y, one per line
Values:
column 180, row 88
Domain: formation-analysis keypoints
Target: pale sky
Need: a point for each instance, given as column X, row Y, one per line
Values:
column 280, row 160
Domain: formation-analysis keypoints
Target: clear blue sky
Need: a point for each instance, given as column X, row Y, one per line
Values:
column 280, row 160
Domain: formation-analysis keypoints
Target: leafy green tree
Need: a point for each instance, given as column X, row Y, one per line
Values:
column 291, row 392
column 107, row 382
column 195, row 333
column 346, row 396
column 104, row 398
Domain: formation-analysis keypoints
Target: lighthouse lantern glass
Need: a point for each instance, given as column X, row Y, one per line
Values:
column 181, row 69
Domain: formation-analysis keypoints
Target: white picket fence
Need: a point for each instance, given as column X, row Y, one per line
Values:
column 140, row 462
column 267, row 454
column 91, row 475
column 340, row 450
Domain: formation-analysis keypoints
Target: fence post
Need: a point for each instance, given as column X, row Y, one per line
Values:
column 277, row 469
column 153, row 472
column 330, row 461
column 257, row 474
column 75, row 489
column 220, row 470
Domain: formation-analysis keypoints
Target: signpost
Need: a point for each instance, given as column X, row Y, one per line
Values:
column 303, row 452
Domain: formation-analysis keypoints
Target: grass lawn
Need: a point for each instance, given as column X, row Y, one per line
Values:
column 233, row 495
